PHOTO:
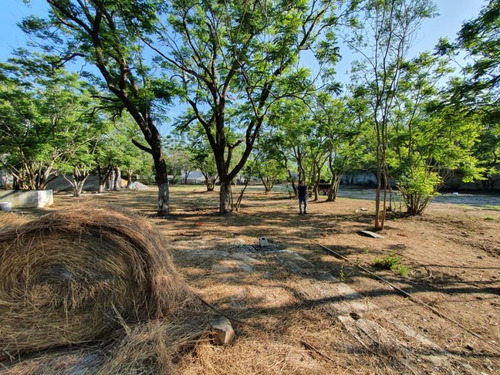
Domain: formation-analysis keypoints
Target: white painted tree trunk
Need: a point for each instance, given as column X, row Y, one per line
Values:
column 163, row 195
column 111, row 180
column 118, row 179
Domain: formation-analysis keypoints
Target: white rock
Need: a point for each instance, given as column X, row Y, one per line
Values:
column 223, row 330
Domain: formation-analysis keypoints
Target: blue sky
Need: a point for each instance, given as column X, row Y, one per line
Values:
column 452, row 13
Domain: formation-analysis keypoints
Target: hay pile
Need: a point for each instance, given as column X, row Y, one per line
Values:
column 88, row 274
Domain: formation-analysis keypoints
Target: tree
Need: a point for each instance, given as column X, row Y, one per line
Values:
column 383, row 38
column 202, row 157
column 428, row 138
column 480, row 39
column 107, row 35
column 231, row 57
column 344, row 126
column 269, row 171
column 479, row 90
column 45, row 118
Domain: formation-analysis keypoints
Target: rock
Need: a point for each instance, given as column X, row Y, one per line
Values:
column 223, row 332
column 368, row 233
column 263, row 242
column 364, row 209
column 469, row 347
column 5, row 206
column 355, row 315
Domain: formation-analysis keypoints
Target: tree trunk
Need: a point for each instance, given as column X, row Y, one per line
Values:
column 118, row 179
column 103, row 175
column 163, row 195
column 225, row 197
column 161, row 177
column 334, row 188
column 111, row 180
column 129, row 178
column 210, row 182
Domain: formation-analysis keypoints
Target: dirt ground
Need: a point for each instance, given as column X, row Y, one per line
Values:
column 306, row 311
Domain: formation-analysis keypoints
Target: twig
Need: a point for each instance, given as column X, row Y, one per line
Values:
column 310, row 347
column 227, row 316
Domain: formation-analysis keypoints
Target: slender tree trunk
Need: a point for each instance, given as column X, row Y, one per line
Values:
column 118, row 179
column 161, row 177
column 103, row 175
column 129, row 178
column 163, row 195
column 111, row 180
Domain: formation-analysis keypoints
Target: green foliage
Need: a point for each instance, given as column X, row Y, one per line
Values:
column 47, row 120
column 391, row 262
column 342, row 274
column 480, row 38
column 417, row 187
column 383, row 39
column 236, row 61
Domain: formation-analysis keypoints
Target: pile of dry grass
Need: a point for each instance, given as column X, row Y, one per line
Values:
column 85, row 274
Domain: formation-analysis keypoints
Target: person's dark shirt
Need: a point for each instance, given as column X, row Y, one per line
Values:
column 302, row 191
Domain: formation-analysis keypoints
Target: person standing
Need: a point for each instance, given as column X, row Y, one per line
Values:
column 302, row 192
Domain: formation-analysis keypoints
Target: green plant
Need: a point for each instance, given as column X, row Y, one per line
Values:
column 342, row 275
column 402, row 270
column 490, row 207
column 391, row 262
column 489, row 218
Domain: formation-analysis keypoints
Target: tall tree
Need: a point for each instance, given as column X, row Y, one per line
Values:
column 385, row 33
column 428, row 139
column 344, row 126
column 107, row 35
column 233, row 58
column 477, row 92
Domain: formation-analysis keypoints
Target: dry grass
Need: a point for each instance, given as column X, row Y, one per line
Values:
column 86, row 274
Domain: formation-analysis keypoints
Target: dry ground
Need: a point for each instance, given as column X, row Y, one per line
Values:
column 308, row 312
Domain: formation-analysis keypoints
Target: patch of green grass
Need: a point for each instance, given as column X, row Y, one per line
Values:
column 391, row 262
column 402, row 270
column 490, row 207
column 489, row 218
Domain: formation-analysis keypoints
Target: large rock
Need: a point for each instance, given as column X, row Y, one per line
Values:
column 223, row 332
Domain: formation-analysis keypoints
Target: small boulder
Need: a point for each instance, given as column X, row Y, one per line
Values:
column 223, row 332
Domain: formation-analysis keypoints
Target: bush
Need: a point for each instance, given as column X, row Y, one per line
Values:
column 418, row 187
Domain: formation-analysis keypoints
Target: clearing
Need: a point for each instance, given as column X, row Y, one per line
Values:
column 307, row 311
